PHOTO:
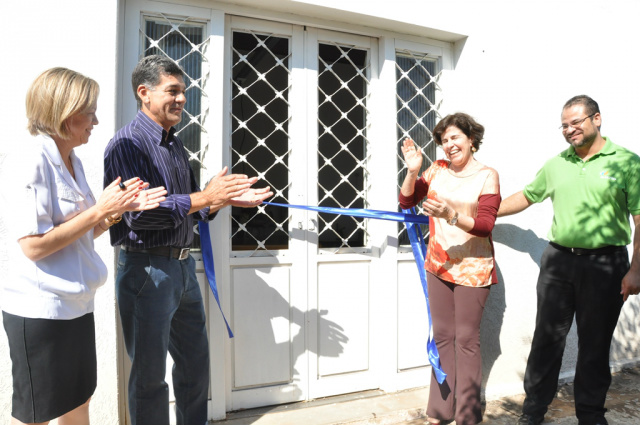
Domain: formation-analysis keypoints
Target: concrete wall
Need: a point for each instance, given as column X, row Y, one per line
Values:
column 518, row 64
column 521, row 60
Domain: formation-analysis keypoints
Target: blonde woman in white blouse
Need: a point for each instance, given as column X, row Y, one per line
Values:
column 48, row 298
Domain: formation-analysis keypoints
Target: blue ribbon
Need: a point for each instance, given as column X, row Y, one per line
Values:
column 209, row 269
column 412, row 222
column 360, row 212
column 419, row 254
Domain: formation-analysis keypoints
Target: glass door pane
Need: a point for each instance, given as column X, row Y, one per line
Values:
column 260, row 136
column 343, row 88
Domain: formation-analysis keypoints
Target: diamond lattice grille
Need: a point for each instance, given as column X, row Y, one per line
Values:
column 343, row 90
column 260, row 136
column 417, row 78
column 183, row 41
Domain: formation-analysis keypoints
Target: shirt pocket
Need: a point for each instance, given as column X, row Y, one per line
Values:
column 70, row 202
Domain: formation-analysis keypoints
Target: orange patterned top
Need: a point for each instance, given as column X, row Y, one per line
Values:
column 455, row 255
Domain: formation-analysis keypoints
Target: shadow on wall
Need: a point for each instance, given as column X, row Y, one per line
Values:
column 492, row 320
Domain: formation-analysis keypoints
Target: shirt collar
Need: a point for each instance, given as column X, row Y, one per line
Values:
column 52, row 152
column 157, row 133
column 608, row 149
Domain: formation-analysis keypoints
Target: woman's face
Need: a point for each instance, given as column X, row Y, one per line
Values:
column 456, row 145
column 80, row 126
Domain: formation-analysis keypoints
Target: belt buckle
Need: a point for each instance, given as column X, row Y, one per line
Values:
column 184, row 253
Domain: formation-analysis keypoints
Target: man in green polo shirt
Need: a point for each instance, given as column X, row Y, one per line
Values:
column 594, row 187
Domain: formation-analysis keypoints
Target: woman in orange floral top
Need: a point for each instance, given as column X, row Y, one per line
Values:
column 462, row 200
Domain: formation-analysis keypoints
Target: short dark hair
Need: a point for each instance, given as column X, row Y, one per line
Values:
column 149, row 70
column 470, row 127
column 590, row 106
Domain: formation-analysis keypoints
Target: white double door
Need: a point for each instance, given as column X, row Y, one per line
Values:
column 330, row 307
column 313, row 318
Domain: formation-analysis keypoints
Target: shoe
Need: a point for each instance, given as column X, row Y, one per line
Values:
column 529, row 420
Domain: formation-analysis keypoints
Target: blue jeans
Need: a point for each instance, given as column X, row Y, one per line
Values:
column 162, row 311
column 587, row 287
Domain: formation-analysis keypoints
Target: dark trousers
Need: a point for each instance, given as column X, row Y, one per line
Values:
column 162, row 312
column 587, row 286
column 456, row 312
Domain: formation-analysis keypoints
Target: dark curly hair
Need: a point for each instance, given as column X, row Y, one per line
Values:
column 465, row 123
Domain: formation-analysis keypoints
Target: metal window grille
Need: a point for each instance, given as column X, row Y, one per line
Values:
column 260, row 113
column 417, row 112
column 183, row 41
column 343, row 91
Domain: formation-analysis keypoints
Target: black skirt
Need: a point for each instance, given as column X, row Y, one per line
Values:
column 53, row 363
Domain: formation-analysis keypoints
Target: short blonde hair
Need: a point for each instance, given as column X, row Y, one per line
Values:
column 55, row 96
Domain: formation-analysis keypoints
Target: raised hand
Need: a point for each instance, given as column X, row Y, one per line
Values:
column 412, row 155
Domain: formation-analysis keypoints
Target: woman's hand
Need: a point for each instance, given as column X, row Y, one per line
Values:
column 437, row 208
column 412, row 156
column 114, row 200
column 148, row 199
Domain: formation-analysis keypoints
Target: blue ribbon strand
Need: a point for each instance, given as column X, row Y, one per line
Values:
column 419, row 254
column 412, row 222
column 209, row 269
column 360, row 212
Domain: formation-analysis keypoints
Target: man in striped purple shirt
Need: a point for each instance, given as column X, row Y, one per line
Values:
column 159, row 298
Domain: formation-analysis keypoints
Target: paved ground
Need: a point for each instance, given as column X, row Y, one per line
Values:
column 408, row 408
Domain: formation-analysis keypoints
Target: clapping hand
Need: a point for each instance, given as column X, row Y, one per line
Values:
column 148, row 199
column 251, row 198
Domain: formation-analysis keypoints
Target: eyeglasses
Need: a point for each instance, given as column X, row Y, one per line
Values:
column 575, row 123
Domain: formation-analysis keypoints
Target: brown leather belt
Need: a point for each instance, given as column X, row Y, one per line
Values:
column 163, row 251
column 605, row 250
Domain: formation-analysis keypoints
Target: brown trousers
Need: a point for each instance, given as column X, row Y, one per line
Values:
column 456, row 312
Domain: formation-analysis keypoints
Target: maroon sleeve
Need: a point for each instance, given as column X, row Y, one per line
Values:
column 420, row 190
column 488, row 206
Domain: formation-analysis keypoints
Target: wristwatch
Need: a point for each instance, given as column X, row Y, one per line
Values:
column 453, row 220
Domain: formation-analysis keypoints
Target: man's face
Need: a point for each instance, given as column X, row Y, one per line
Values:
column 165, row 102
column 579, row 133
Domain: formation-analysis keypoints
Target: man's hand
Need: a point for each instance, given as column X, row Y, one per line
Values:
column 221, row 190
column 631, row 281
column 251, row 198
column 630, row 284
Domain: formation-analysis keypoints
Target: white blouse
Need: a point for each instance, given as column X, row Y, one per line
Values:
column 39, row 193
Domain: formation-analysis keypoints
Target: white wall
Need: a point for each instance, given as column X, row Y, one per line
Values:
column 521, row 61
column 81, row 35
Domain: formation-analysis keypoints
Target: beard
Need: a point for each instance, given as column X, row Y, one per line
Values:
column 585, row 141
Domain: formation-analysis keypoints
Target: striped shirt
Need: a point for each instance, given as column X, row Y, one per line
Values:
column 144, row 149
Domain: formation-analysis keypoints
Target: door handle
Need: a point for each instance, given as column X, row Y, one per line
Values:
column 312, row 225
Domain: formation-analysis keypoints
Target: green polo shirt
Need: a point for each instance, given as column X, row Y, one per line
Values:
column 592, row 200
